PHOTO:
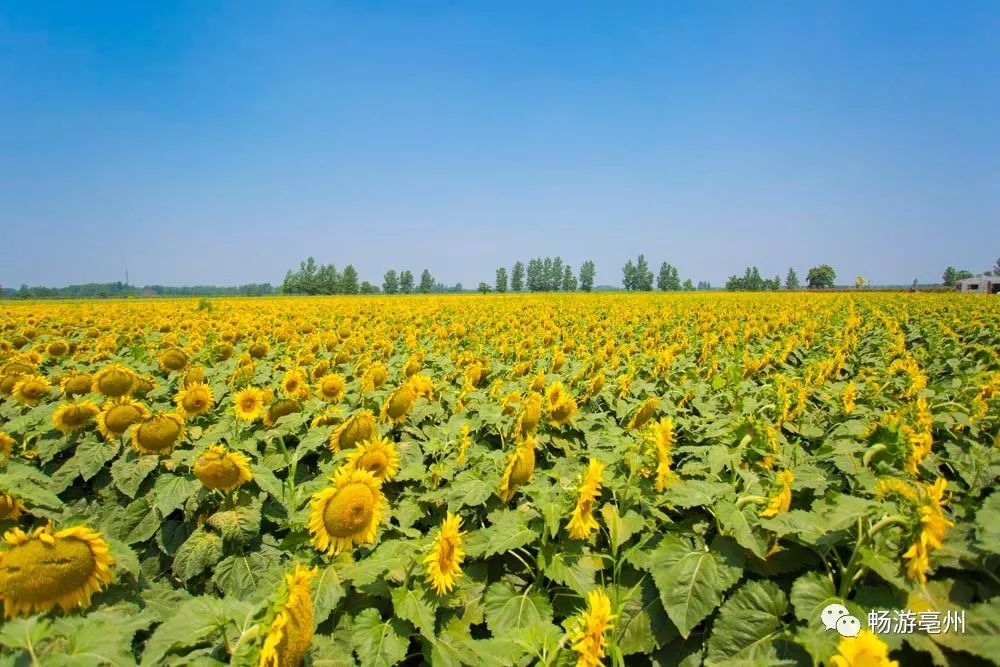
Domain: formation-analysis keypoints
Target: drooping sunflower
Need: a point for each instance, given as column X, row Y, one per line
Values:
column 422, row 385
column 194, row 375
column 643, row 413
column 359, row 427
column 782, row 498
column 849, row 396
column 330, row 417
column 57, row 348
column 520, row 467
column 10, row 507
column 662, row 436
column 159, row 434
column 222, row 469
column 46, row 569
column 114, row 381
column 295, row 384
column 348, row 512
column 378, row 456
column 531, row 414
column 930, row 530
column 30, row 389
column 398, row 404
column 279, row 409
column 117, row 415
column 330, row 387
column 588, row 640
column 76, row 384
column 376, row 376
column 143, row 385
column 444, row 562
column 173, row 359
column 248, row 404
column 6, row 446
column 72, row 416
column 865, row 650
column 582, row 522
column 194, row 399
column 290, row 629
column 562, row 406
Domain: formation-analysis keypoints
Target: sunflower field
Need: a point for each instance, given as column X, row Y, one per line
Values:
column 589, row 479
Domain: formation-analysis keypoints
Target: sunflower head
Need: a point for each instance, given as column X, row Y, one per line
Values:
column 378, row 456
column 195, row 399
column 6, row 446
column 10, row 507
column 348, row 512
column 520, row 467
column 443, row 565
column 46, row 569
column 76, row 384
column 219, row 468
column 194, row 375
column 158, row 434
column 31, row 389
column 114, row 381
column 359, row 427
column 248, row 404
column 173, row 359
column 644, row 413
column 290, row 627
column 295, row 384
column 70, row 417
column 399, row 404
column 57, row 348
column 117, row 415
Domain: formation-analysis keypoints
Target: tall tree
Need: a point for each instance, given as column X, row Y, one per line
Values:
column 367, row 288
column 587, row 276
column 484, row 288
column 556, row 275
column 791, row 279
column 568, row 280
column 406, row 282
column 349, row 280
column 390, row 282
column 688, row 285
column 426, row 282
column 628, row 277
column 820, row 277
column 644, row 276
column 501, row 282
column 517, row 277
column 536, row 281
column 663, row 277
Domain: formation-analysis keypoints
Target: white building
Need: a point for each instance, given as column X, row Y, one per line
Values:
column 979, row 284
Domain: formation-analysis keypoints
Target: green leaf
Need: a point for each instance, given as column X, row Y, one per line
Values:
column 692, row 578
column 27, row 634
column 92, row 454
column 508, row 531
column 125, row 559
column 811, row 593
column 696, row 493
column 569, row 566
column 467, row 491
column 507, row 610
column 240, row 524
column 172, row 490
column 414, row 605
column 620, row 528
column 379, row 643
column 747, row 624
column 737, row 522
column 243, row 575
column 131, row 470
column 193, row 622
column 201, row 549
column 139, row 522
column 988, row 524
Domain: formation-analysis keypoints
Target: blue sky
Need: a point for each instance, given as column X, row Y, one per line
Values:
column 223, row 142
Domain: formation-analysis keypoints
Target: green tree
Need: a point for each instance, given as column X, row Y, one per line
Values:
column 554, row 277
column 628, row 277
column 568, row 280
column 484, row 288
column 406, row 282
column 688, row 285
column 791, row 279
column 390, row 282
column 501, row 282
column 644, row 276
column 367, row 288
column 821, row 277
column 517, row 277
column 587, row 276
column 663, row 277
column 536, row 282
column 859, row 282
column 775, row 283
column 349, row 280
column 426, row 282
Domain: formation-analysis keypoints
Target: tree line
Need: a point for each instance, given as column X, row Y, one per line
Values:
column 119, row 289
column 952, row 275
column 313, row 278
column 819, row 277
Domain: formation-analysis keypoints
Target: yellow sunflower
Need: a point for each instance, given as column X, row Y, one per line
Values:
column 290, row 630
column 662, row 436
column 643, row 413
column 158, row 434
column 399, row 404
column 114, row 381
column 76, row 384
column 588, row 640
column 72, row 416
column 279, row 409
column 378, row 456
column 219, row 468
column 30, row 389
column 330, row 387
column 117, row 415
column 46, row 569
column 562, row 407
column 582, row 522
column 444, row 562
column 10, row 507
column 248, row 404
column 531, row 414
column 195, row 399
column 348, row 512
column 173, row 359
column 6, row 445
column 520, row 467
column 57, row 348
column 359, row 427
column 422, row 385
column 295, row 384
column 782, row 498
column 865, row 650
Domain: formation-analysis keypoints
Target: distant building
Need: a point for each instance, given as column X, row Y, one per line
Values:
column 979, row 284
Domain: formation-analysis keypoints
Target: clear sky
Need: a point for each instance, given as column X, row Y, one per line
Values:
column 204, row 142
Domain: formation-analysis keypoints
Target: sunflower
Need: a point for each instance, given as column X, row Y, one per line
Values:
column 248, row 404
column 195, row 399
column 57, row 348
column 76, row 384
column 290, row 631
column 588, row 640
column 422, row 385
column 114, row 381
column 330, row 387
column 399, row 404
column 582, row 522
column 30, row 389
column 849, row 397
column 279, row 409
column 117, row 415
column 643, row 413
column 930, row 533
column 6, row 445
column 258, row 349
column 348, row 512
column 444, row 562
column 358, row 428
column 158, row 434
column 782, row 499
column 378, row 456
column 295, row 384
column 662, row 435
column 865, row 650
column 520, row 467
column 72, row 416
column 376, row 376
column 47, row 569
column 531, row 414
column 194, row 375
column 10, row 507
column 331, row 417
column 143, row 385
column 173, row 359
column 219, row 468
column 561, row 405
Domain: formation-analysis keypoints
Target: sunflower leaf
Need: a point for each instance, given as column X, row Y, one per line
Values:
column 379, row 643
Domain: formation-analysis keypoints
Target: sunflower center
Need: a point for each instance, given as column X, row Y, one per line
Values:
column 76, row 416
column 357, row 430
column 220, row 473
column 350, row 511
column 78, row 385
column 174, row 360
column 38, row 573
column 375, row 463
column 400, row 403
column 33, row 390
column 159, row 433
column 120, row 417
